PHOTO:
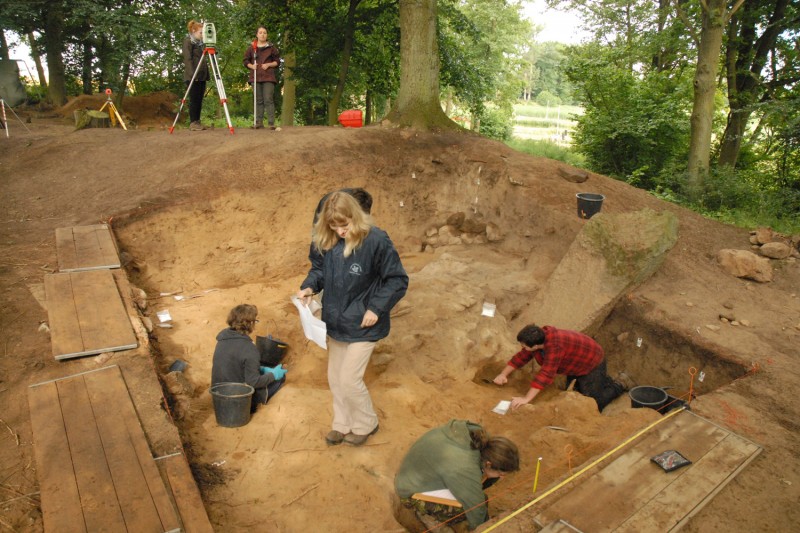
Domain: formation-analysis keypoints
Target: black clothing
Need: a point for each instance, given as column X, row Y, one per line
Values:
column 371, row 278
column 597, row 385
column 196, row 93
column 236, row 360
column 192, row 55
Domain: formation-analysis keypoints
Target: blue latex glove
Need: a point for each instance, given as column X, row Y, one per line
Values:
column 263, row 370
column 278, row 372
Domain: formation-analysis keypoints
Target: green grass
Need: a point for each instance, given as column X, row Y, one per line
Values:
column 551, row 113
column 547, row 149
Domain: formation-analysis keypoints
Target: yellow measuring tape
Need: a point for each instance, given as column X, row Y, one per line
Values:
column 581, row 471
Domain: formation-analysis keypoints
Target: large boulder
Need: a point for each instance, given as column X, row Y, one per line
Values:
column 611, row 255
column 745, row 264
column 776, row 250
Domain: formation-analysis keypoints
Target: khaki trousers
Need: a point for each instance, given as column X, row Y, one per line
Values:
column 352, row 405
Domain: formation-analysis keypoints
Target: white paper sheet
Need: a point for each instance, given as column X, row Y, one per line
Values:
column 502, row 407
column 313, row 328
column 441, row 493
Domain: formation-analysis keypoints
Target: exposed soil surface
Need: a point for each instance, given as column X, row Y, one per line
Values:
column 226, row 219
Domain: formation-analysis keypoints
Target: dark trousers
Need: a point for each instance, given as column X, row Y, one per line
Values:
column 264, row 395
column 265, row 91
column 196, row 94
column 598, row 385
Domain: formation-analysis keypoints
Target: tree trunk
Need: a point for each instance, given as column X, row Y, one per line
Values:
column 417, row 104
column 368, row 108
column 289, row 87
column 3, row 47
column 126, row 75
column 746, row 55
column 37, row 59
column 704, row 87
column 54, row 48
column 347, row 51
column 86, row 67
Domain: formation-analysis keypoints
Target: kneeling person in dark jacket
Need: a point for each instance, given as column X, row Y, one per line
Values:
column 236, row 358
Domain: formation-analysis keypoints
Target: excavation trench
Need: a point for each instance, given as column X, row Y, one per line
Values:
column 433, row 367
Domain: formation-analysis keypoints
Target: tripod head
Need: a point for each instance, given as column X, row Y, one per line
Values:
column 108, row 94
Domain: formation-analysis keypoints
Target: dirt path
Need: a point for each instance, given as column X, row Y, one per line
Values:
column 207, row 210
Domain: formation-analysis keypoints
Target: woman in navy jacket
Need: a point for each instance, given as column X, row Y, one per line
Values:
column 362, row 279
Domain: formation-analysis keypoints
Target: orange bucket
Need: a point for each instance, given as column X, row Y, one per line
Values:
column 351, row 118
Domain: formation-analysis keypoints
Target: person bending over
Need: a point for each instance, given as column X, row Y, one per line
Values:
column 561, row 351
column 461, row 457
column 236, row 358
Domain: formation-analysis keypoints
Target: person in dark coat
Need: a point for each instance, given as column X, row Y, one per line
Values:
column 236, row 358
column 363, row 198
column 362, row 278
column 263, row 59
column 192, row 57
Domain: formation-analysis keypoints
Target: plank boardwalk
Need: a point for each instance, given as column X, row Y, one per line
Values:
column 86, row 248
column 95, row 469
column 86, row 314
column 632, row 494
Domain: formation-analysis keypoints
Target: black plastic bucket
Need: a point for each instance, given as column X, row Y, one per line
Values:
column 271, row 351
column 589, row 204
column 232, row 403
column 645, row 396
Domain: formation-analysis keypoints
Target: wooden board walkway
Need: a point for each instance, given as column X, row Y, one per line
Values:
column 86, row 314
column 86, row 248
column 633, row 494
column 95, row 469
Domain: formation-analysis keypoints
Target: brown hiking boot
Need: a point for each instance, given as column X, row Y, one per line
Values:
column 196, row 126
column 357, row 440
column 334, row 437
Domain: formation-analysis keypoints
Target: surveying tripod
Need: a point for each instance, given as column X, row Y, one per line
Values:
column 211, row 52
column 113, row 114
column 4, row 120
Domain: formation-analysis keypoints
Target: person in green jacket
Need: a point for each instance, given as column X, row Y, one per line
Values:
column 461, row 457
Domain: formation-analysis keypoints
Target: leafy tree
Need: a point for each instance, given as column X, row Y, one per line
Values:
column 754, row 36
column 633, row 127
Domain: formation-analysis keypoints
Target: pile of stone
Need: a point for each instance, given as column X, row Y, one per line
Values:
column 766, row 244
column 459, row 229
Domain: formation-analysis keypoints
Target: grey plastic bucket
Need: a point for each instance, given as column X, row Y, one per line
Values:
column 232, row 403
column 644, row 396
column 589, row 204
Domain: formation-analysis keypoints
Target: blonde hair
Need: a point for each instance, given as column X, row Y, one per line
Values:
column 193, row 26
column 341, row 208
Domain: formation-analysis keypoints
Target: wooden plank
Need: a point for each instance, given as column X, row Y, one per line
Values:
column 99, row 499
column 65, row 249
column 559, row 526
column 82, row 248
column 61, row 506
column 693, row 485
column 104, row 386
column 187, row 495
column 608, row 497
column 109, row 405
column 632, row 494
column 65, row 330
column 101, row 318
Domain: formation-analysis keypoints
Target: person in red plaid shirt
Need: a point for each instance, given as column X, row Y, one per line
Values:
column 561, row 351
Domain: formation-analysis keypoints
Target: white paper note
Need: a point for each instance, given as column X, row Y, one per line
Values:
column 313, row 328
column 502, row 407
